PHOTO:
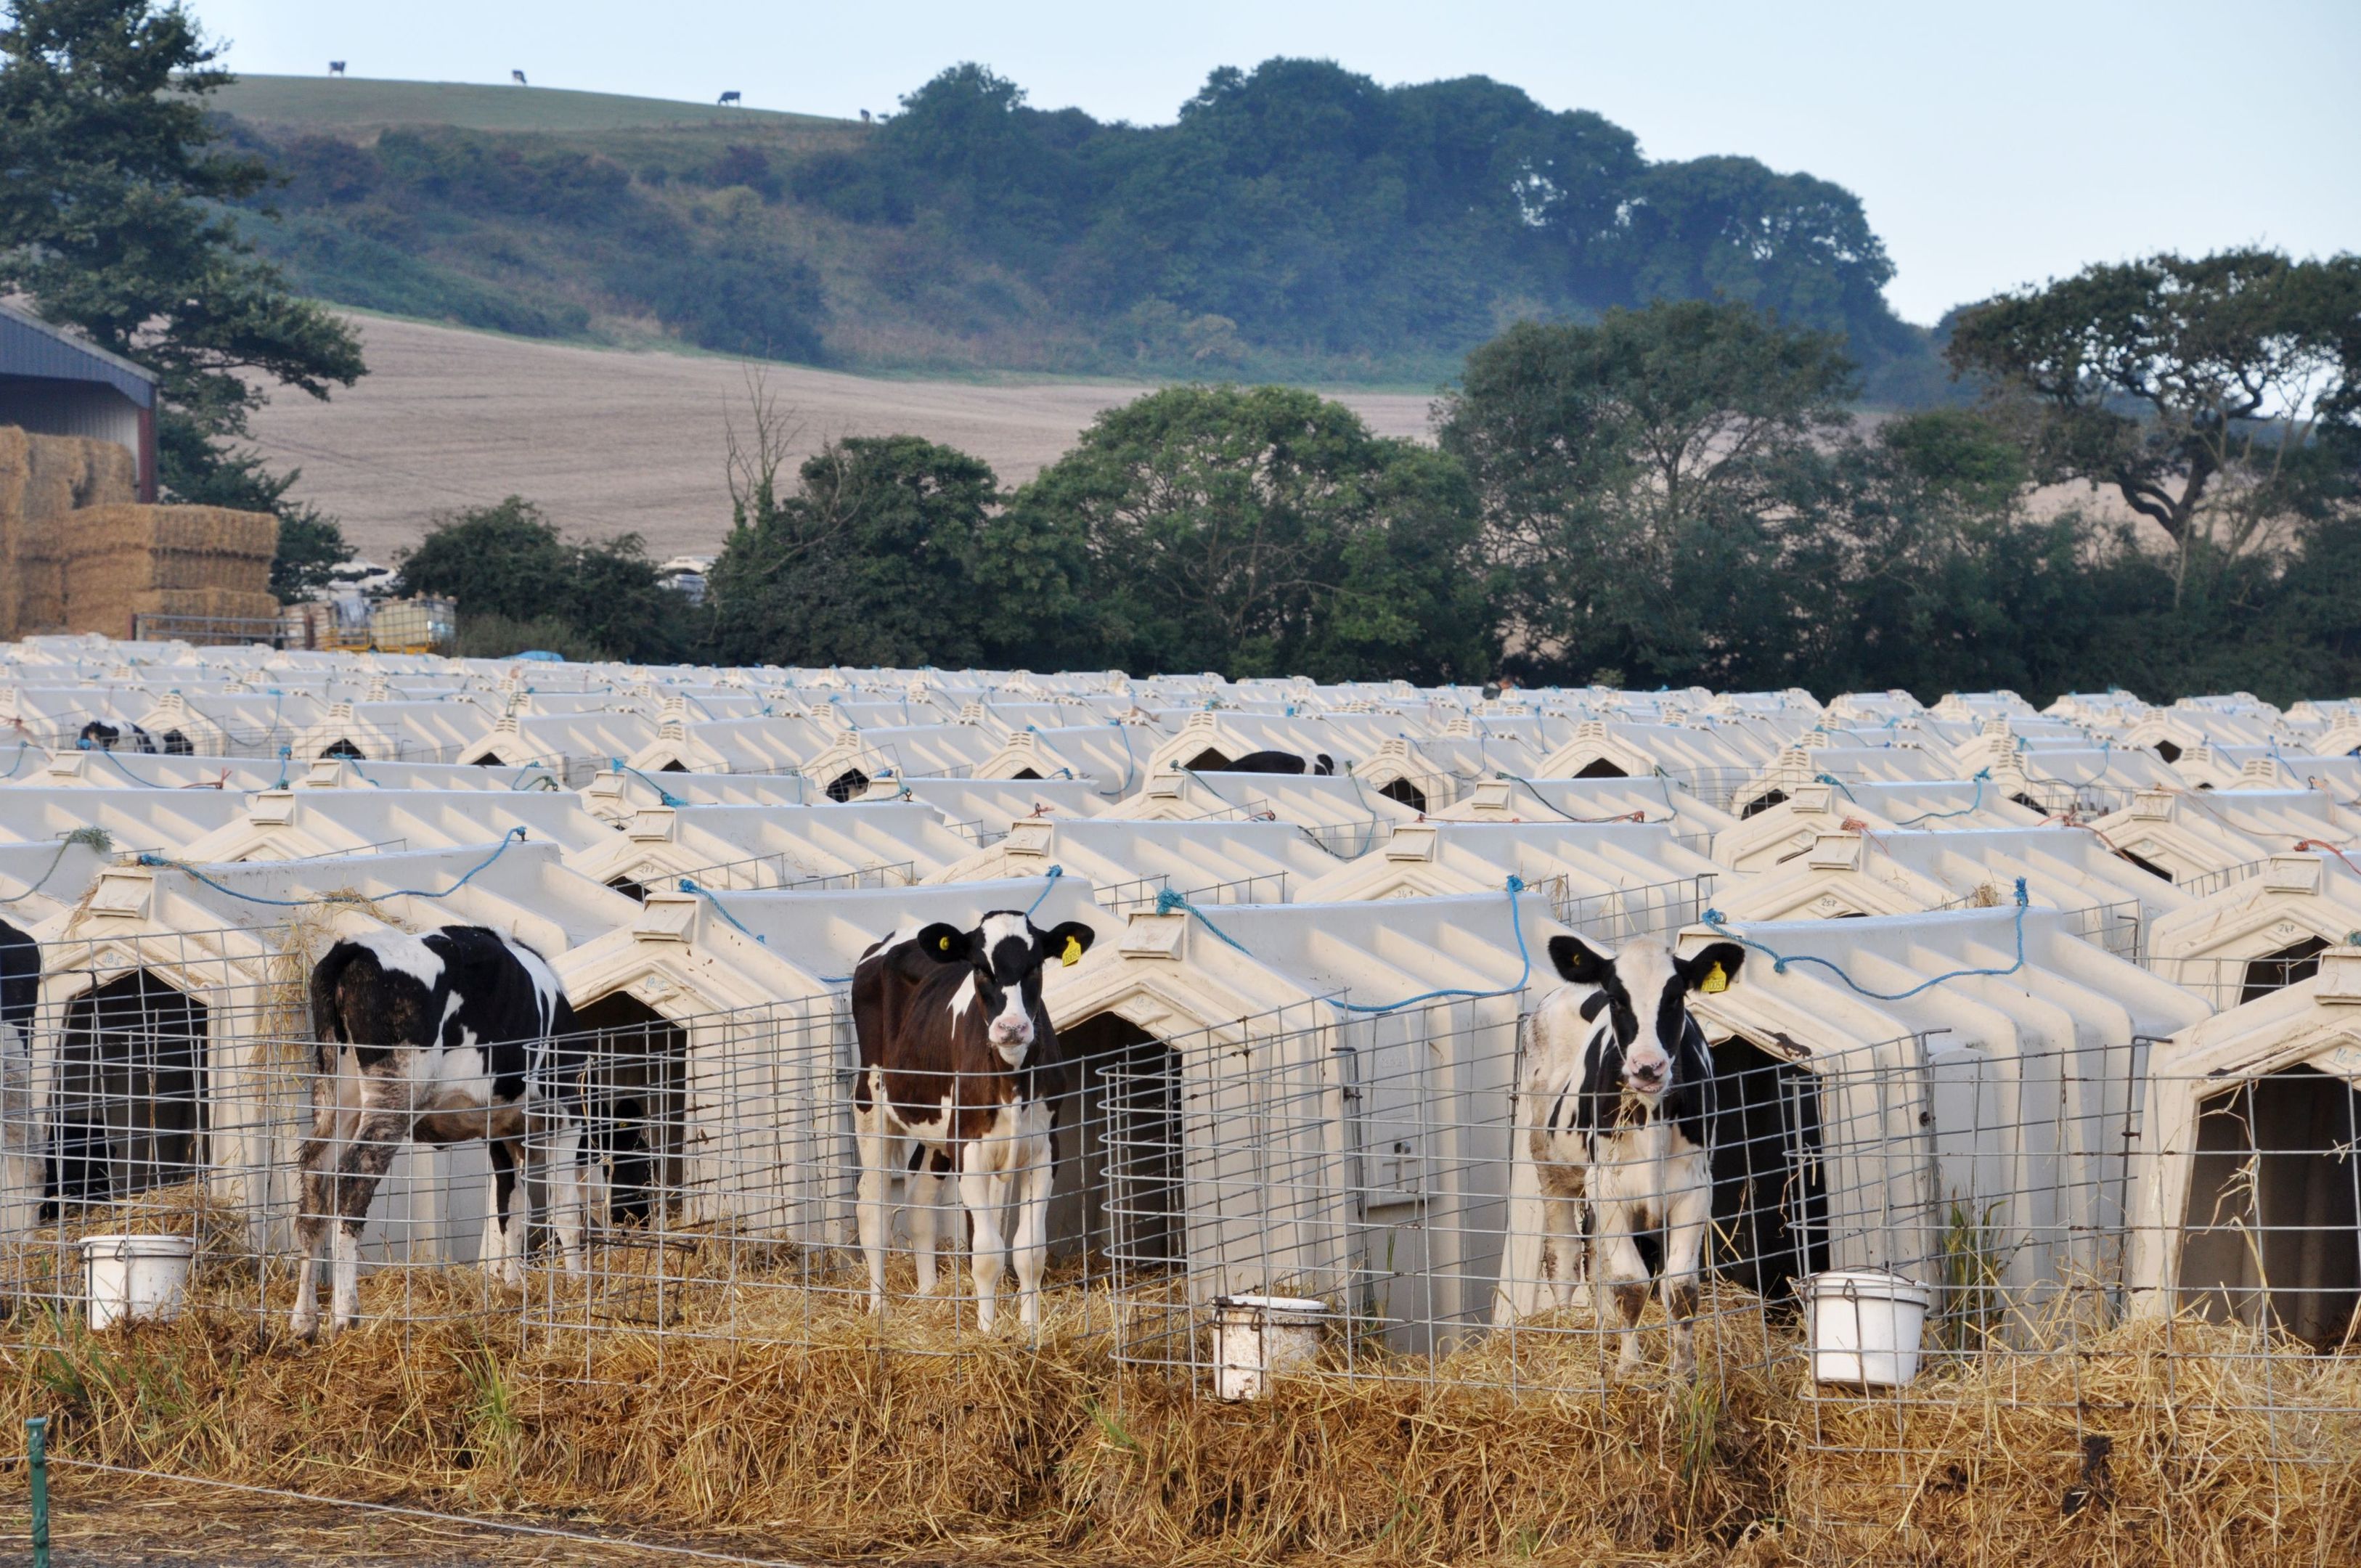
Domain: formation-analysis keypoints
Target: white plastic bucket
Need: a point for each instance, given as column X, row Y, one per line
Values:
column 1864, row 1327
column 130, row 1277
column 1258, row 1338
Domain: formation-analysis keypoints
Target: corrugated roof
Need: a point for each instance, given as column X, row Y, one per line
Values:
column 31, row 347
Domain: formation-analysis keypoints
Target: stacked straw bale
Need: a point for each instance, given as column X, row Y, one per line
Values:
column 42, row 479
column 125, row 560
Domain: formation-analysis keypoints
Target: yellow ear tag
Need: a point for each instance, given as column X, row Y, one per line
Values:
column 1714, row 980
column 944, row 943
column 1073, row 953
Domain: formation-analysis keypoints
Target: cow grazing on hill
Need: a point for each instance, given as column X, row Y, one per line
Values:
column 436, row 1038
column 959, row 1076
column 729, row 98
column 1619, row 1111
column 98, row 735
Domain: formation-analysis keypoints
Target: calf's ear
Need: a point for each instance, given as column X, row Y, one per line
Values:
column 1579, row 962
column 947, row 944
column 1712, row 967
column 1066, row 943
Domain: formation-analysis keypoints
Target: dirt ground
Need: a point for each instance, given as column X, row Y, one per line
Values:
column 610, row 441
column 95, row 1523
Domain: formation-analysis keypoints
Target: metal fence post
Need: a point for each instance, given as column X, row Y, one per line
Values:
column 37, row 1459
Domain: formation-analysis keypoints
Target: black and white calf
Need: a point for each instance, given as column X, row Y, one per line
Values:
column 1620, row 1107
column 101, row 736
column 959, row 1075
column 437, row 1039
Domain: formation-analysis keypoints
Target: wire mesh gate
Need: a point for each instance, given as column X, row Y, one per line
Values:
column 1380, row 1165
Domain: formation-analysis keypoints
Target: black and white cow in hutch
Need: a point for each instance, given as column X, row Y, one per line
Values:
column 441, row 1037
column 959, row 1076
column 1618, row 1106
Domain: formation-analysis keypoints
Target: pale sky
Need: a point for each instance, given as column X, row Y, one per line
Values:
column 1993, row 143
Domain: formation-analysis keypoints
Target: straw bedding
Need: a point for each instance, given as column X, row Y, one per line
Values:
column 917, row 1438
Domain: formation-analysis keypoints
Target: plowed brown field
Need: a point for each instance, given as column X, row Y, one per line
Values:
column 610, row 441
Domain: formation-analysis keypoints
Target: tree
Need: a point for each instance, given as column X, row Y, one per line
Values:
column 509, row 561
column 874, row 559
column 1259, row 531
column 110, row 221
column 2194, row 389
column 1613, row 462
column 1915, row 563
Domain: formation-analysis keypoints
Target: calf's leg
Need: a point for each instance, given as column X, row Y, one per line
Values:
column 562, row 1143
column 362, row 1165
column 1565, row 1247
column 923, row 1192
column 1035, row 1179
column 871, row 1214
column 316, row 1207
column 504, row 1229
column 985, row 1192
column 1623, row 1275
column 1690, row 1211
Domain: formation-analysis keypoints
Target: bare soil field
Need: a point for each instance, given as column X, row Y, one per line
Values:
column 98, row 1522
column 610, row 441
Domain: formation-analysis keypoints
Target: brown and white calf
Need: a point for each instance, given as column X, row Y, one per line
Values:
column 436, row 1038
column 1619, row 1110
column 959, row 1075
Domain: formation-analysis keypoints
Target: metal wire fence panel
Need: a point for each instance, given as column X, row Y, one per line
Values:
column 2099, row 1256
column 1725, row 789
column 1618, row 916
column 781, row 870
column 2196, row 1317
column 2121, row 928
column 2229, row 983
column 167, row 1086
column 2207, row 884
column 1143, row 893
column 743, row 1185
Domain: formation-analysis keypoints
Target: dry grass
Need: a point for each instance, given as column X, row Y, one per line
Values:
column 2152, row 1443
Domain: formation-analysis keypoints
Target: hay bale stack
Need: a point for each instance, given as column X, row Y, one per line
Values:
column 42, row 478
column 127, row 559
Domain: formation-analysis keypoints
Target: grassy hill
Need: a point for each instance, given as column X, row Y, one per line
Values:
column 1296, row 223
column 339, row 105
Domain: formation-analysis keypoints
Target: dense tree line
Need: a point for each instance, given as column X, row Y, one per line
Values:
column 519, row 584
column 1668, row 497
column 360, row 222
column 1319, row 213
column 1673, row 495
column 1296, row 220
